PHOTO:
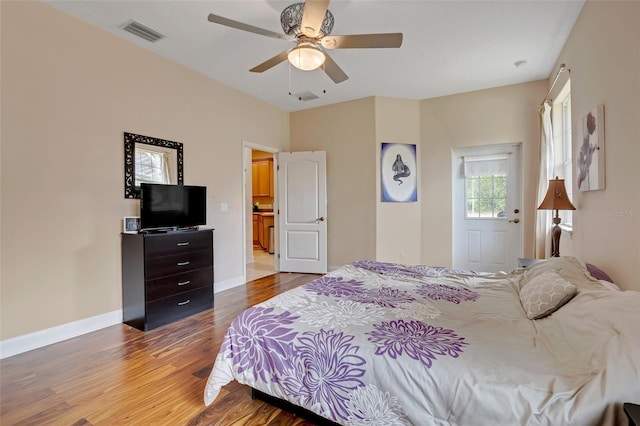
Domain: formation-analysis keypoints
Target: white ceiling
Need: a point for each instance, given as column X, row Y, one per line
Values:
column 449, row 46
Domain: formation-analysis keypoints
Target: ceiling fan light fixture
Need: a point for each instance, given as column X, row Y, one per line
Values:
column 306, row 57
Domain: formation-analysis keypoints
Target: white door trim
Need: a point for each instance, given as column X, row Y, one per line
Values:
column 246, row 176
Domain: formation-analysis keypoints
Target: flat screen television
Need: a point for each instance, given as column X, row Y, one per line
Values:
column 172, row 206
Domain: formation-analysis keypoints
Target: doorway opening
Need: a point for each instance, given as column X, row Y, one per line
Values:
column 260, row 202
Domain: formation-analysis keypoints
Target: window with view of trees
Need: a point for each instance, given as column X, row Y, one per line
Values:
column 486, row 196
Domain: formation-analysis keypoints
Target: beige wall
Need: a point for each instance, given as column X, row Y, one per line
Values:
column 69, row 91
column 398, row 224
column 347, row 132
column 488, row 117
column 603, row 54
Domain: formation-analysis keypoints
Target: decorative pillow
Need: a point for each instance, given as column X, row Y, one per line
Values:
column 569, row 268
column 545, row 294
column 598, row 273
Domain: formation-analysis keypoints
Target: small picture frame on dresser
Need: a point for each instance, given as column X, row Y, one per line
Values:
column 131, row 225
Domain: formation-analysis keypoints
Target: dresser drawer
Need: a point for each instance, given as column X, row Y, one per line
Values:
column 168, row 309
column 158, row 267
column 177, row 242
column 173, row 284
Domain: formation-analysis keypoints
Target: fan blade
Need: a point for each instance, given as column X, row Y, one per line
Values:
column 332, row 69
column 384, row 40
column 313, row 16
column 246, row 27
column 270, row 63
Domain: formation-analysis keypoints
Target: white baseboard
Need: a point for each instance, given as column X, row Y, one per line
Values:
column 227, row 284
column 38, row 339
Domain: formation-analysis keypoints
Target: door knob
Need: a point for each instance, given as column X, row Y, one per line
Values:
column 516, row 211
column 514, row 221
column 320, row 219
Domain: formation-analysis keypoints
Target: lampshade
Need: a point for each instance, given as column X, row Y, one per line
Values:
column 306, row 57
column 556, row 197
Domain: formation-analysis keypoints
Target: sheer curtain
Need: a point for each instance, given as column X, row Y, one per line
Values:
column 542, row 239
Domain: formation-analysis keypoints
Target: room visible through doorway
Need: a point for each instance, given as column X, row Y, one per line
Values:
column 261, row 266
column 261, row 197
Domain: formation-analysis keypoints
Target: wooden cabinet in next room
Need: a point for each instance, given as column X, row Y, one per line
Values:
column 262, row 178
column 166, row 276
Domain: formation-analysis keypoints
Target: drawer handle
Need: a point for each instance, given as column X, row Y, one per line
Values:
column 182, row 244
column 183, row 263
column 184, row 303
column 184, row 283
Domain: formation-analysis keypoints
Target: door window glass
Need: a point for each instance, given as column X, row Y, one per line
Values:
column 486, row 196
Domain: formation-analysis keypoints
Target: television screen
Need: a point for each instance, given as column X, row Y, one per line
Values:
column 172, row 206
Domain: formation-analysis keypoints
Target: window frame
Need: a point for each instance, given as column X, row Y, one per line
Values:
column 563, row 145
column 494, row 213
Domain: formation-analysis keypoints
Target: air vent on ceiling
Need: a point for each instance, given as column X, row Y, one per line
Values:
column 135, row 27
column 305, row 96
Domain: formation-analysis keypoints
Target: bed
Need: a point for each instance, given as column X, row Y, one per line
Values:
column 375, row 343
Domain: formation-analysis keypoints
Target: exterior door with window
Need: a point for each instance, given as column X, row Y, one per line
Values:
column 302, row 190
column 487, row 227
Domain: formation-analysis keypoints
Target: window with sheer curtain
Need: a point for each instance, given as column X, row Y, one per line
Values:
column 563, row 147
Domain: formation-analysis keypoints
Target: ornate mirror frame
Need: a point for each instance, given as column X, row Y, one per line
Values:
column 130, row 141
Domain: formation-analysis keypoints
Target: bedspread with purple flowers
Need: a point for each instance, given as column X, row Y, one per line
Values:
column 377, row 343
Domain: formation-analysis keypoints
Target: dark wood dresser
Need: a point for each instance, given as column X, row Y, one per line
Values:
column 166, row 276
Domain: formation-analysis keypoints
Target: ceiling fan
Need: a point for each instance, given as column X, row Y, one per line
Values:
column 309, row 25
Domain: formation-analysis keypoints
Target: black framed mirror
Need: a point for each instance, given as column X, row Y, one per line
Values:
column 151, row 160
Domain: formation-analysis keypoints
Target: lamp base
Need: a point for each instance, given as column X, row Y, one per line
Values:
column 556, row 231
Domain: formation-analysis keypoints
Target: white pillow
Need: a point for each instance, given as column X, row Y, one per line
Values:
column 545, row 293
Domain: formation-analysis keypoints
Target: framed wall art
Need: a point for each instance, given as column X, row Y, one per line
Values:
column 590, row 158
column 398, row 173
column 131, row 225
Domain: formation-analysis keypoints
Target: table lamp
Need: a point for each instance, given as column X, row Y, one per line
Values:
column 556, row 199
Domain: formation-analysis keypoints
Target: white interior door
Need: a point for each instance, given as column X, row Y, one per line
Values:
column 487, row 208
column 302, row 211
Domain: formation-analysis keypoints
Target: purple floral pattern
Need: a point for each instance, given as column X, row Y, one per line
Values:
column 259, row 342
column 380, row 267
column 446, row 292
column 416, row 339
column 318, row 358
column 418, row 271
column 335, row 286
column 325, row 370
column 385, row 297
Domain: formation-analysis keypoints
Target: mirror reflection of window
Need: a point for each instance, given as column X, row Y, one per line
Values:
column 153, row 165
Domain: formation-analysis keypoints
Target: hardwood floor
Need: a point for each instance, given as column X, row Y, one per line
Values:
column 122, row 376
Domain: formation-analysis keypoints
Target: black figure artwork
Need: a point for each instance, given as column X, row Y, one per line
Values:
column 400, row 169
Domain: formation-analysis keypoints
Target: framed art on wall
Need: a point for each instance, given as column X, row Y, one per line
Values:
column 590, row 163
column 398, row 173
column 131, row 225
